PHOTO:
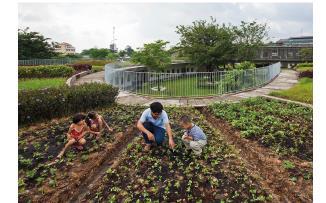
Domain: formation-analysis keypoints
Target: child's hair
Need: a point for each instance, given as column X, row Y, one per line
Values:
column 78, row 117
column 156, row 107
column 90, row 115
column 185, row 119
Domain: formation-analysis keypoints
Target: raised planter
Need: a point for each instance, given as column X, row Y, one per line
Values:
column 71, row 81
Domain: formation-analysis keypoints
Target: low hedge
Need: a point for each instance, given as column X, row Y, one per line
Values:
column 36, row 105
column 304, row 65
column 81, row 67
column 306, row 73
column 93, row 62
column 46, row 71
column 97, row 69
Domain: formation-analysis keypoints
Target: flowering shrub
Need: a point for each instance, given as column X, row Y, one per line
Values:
column 47, row 71
column 81, row 67
column 35, row 105
column 306, row 73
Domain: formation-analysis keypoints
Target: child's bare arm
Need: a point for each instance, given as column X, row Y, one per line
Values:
column 106, row 124
column 88, row 130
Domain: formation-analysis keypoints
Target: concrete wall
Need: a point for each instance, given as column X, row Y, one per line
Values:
column 71, row 81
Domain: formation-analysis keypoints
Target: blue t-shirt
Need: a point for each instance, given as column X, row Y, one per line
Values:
column 196, row 133
column 159, row 122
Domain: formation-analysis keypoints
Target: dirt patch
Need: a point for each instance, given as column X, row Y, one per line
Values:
column 75, row 181
column 264, row 164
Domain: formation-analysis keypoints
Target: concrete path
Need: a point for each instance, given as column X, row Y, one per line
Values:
column 285, row 80
column 94, row 77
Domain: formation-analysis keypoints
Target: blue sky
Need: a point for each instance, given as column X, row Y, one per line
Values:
column 87, row 25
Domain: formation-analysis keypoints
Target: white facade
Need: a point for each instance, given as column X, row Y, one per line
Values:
column 65, row 48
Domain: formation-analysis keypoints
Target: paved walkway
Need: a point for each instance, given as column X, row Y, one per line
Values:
column 94, row 77
column 285, row 80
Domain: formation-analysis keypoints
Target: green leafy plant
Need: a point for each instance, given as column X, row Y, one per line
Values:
column 46, row 71
column 288, row 164
column 34, row 104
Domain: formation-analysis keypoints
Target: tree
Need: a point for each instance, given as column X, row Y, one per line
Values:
column 122, row 53
column 207, row 43
column 112, row 56
column 154, row 56
column 129, row 50
column 249, row 37
column 306, row 54
column 96, row 53
column 33, row 45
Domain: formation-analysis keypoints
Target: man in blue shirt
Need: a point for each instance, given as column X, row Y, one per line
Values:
column 153, row 124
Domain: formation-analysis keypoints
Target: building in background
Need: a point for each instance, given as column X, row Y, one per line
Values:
column 286, row 50
column 113, row 48
column 302, row 41
column 65, row 48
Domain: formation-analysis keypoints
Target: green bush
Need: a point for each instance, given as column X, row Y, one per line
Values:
column 36, row 105
column 245, row 65
column 305, row 71
column 46, row 71
column 97, row 69
column 304, row 65
column 93, row 62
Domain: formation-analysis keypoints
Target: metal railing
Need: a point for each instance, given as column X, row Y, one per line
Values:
column 36, row 62
column 190, row 84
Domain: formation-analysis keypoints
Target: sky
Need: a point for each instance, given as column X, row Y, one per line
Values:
column 88, row 25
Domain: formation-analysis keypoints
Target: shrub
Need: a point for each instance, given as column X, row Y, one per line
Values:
column 306, row 73
column 35, row 105
column 81, row 67
column 93, row 62
column 304, row 65
column 46, row 71
column 245, row 65
column 97, row 68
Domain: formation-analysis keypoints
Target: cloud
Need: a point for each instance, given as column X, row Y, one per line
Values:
column 87, row 25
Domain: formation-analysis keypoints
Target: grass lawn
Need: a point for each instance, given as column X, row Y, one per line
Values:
column 189, row 86
column 38, row 83
column 302, row 92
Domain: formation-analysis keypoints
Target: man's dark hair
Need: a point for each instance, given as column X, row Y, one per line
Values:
column 156, row 107
column 185, row 119
column 78, row 117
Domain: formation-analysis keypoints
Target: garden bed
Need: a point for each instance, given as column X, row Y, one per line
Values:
column 166, row 175
column 275, row 137
column 39, row 145
column 116, row 169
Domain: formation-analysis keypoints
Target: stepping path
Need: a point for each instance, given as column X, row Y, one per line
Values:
column 285, row 80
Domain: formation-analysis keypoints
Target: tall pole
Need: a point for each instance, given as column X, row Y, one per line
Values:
column 113, row 39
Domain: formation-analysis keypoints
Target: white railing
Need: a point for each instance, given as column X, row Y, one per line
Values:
column 37, row 62
column 190, row 84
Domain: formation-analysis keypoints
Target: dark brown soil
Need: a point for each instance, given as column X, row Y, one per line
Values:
column 72, row 183
column 265, row 165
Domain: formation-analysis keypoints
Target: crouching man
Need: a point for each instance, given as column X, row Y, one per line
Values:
column 153, row 124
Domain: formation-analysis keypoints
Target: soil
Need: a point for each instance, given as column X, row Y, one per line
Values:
column 265, row 165
column 72, row 183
